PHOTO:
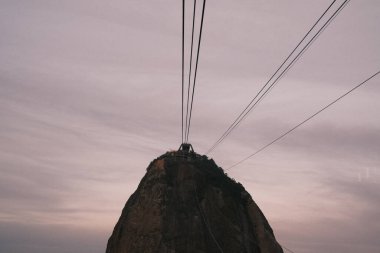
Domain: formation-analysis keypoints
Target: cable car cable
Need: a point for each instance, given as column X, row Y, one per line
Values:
column 183, row 56
column 283, row 72
column 196, row 67
column 245, row 112
column 250, row 106
column 304, row 121
column 190, row 64
column 278, row 69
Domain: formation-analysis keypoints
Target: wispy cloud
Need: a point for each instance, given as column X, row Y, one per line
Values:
column 89, row 95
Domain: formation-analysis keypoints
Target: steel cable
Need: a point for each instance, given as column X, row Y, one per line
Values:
column 190, row 64
column 183, row 57
column 196, row 69
column 304, row 121
column 249, row 107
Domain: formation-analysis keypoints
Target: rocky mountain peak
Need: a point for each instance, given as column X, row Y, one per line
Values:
column 186, row 203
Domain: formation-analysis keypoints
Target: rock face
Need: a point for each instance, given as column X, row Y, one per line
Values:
column 185, row 203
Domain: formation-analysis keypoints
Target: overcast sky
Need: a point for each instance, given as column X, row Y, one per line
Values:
column 90, row 94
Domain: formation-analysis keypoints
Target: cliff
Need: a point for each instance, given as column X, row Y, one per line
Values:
column 186, row 203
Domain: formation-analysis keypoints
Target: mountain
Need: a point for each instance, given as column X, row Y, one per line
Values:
column 186, row 203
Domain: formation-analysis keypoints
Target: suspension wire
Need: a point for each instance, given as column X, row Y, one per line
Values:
column 304, row 121
column 249, row 107
column 282, row 64
column 183, row 57
column 244, row 114
column 288, row 67
column 191, row 60
column 196, row 68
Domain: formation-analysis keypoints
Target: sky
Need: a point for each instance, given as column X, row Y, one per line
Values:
column 90, row 94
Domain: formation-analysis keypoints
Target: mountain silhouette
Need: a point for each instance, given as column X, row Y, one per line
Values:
column 186, row 203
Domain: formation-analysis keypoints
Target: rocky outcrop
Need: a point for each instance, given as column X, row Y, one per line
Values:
column 186, row 203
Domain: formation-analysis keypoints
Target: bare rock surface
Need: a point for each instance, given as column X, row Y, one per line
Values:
column 186, row 203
